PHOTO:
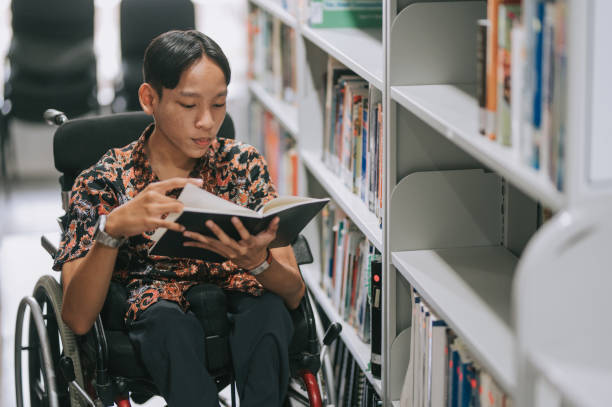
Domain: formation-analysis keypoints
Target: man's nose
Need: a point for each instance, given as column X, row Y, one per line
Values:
column 205, row 120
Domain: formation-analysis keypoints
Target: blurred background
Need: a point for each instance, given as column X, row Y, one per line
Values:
column 92, row 76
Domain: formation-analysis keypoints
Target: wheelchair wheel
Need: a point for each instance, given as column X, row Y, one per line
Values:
column 61, row 342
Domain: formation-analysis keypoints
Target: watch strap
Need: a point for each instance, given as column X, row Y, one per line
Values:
column 263, row 266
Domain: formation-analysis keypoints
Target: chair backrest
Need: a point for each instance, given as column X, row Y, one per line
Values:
column 79, row 143
column 139, row 24
column 52, row 58
column 64, row 20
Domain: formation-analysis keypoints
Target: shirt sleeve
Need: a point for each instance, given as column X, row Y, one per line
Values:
column 92, row 196
column 261, row 188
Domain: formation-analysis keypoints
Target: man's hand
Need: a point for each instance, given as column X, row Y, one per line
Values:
column 146, row 211
column 247, row 254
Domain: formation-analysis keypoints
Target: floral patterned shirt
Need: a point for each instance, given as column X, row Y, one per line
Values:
column 230, row 169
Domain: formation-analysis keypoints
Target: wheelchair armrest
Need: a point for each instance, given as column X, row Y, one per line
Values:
column 115, row 307
column 301, row 249
column 48, row 246
column 304, row 346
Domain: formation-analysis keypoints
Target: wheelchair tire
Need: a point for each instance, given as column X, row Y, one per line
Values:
column 62, row 341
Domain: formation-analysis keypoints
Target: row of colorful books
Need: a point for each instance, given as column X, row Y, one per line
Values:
column 352, row 386
column 277, row 147
column 441, row 371
column 522, row 81
column 347, row 258
column 272, row 55
column 353, row 133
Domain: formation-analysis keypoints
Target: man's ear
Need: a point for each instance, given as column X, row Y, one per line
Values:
column 148, row 98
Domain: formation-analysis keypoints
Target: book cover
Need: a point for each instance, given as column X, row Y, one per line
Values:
column 376, row 330
column 294, row 213
column 508, row 14
column 349, row 13
column 492, row 54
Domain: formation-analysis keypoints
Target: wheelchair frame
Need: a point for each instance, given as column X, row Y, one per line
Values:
column 53, row 346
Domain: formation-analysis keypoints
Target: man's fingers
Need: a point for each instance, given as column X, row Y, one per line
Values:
column 242, row 231
column 168, row 207
column 173, row 183
column 221, row 235
column 273, row 226
column 162, row 223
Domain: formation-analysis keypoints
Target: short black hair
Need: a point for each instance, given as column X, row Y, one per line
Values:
column 171, row 53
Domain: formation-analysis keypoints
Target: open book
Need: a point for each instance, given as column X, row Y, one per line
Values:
column 294, row 212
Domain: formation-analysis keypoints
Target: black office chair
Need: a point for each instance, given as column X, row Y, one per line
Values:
column 140, row 22
column 51, row 63
column 102, row 365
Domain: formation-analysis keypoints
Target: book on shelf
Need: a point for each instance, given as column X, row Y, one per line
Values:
column 509, row 14
column 352, row 144
column 376, row 318
column 492, row 57
column 345, row 274
column 481, row 74
column 200, row 206
column 441, row 371
column 277, row 146
column 349, row 13
column 272, row 56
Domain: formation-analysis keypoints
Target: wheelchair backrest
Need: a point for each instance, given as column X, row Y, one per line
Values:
column 79, row 143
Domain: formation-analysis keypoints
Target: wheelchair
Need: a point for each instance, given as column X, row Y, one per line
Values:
column 101, row 367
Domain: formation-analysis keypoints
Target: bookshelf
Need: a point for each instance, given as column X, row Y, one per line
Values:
column 359, row 50
column 451, row 111
column 285, row 113
column 460, row 212
column 360, row 350
column 350, row 203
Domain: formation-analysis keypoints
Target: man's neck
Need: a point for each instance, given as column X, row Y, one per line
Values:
column 165, row 159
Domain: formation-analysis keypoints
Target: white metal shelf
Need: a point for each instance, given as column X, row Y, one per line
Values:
column 359, row 349
column 274, row 8
column 359, row 49
column 350, row 203
column 581, row 385
column 453, row 111
column 470, row 288
column 285, row 113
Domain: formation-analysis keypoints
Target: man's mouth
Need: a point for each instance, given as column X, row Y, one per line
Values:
column 202, row 142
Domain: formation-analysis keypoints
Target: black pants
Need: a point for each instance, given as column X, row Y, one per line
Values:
column 170, row 344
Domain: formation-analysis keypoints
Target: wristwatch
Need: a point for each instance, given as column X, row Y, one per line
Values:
column 101, row 236
column 263, row 266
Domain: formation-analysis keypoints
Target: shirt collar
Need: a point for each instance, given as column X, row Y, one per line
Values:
column 143, row 167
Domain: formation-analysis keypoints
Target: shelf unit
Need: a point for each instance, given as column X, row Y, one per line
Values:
column 450, row 223
column 359, row 349
column 451, row 110
column 285, row 113
column 354, row 207
column 471, row 289
column 361, row 51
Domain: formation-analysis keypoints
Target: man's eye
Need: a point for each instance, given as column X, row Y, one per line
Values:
column 219, row 105
column 186, row 106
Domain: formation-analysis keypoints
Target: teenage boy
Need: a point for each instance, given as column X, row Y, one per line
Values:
column 118, row 202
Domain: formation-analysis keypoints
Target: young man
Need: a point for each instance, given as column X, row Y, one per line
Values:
column 117, row 203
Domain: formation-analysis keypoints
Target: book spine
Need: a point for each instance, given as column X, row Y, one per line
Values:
column 481, row 77
column 376, row 328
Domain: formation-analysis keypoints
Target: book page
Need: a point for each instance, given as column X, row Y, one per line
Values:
column 197, row 199
column 283, row 202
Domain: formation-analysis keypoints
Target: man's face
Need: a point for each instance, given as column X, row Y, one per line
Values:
column 190, row 115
